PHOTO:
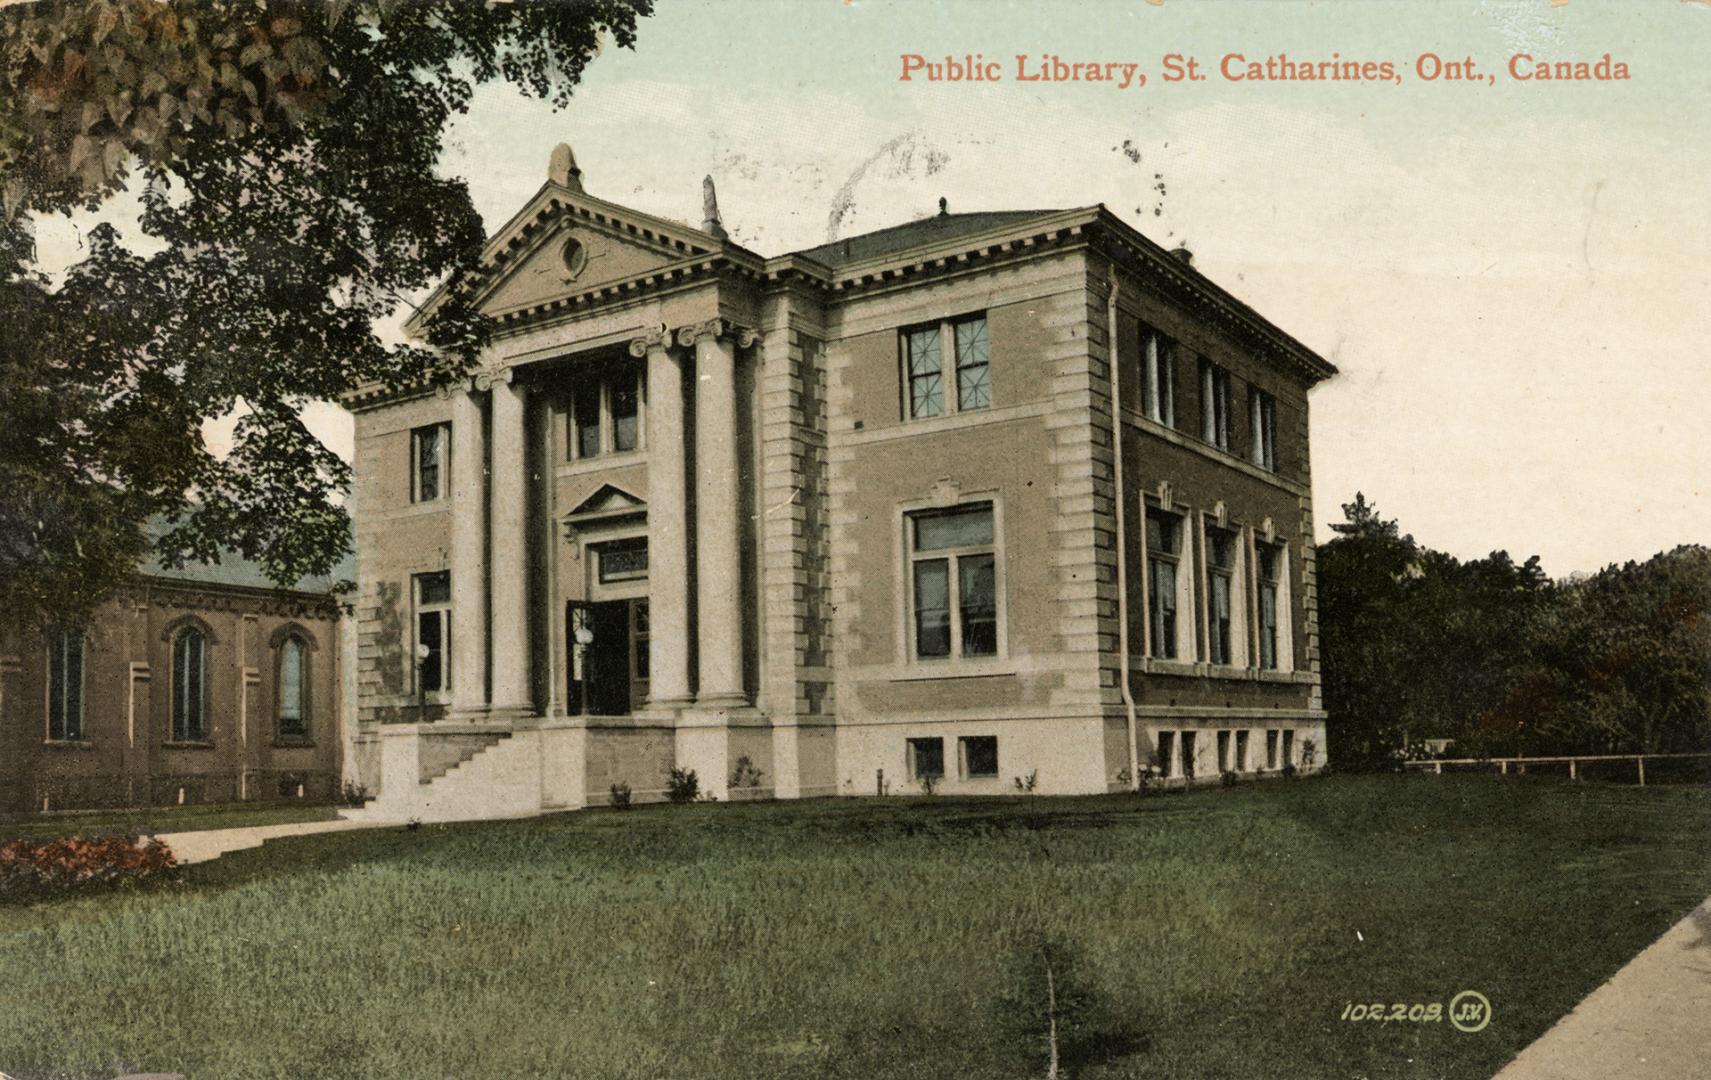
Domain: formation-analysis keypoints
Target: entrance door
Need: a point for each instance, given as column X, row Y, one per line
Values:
column 606, row 638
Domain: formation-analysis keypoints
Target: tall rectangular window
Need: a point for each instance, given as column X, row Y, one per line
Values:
column 1215, row 405
column 1220, row 585
column 1158, row 377
column 1224, row 752
column 189, row 685
column 924, row 367
column 65, row 686
column 428, row 447
column 954, row 582
column 1271, row 749
column 1166, row 753
column 626, row 414
column 585, row 415
column 1242, row 762
column 1164, row 565
column 433, row 631
column 1270, row 586
column 973, row 366
column 1262, row 408
column 293, row 689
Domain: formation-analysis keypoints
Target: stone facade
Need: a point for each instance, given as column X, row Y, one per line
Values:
column 690, row 513
column 97, row 728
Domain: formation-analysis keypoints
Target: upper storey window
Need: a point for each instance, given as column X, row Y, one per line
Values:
column 1215, row 405
column 606, row 412
column 1262, row 410
column 947, row 367
column 428, row 446
column 1158, row 377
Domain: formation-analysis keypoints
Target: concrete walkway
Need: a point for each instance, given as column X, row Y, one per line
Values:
column 1651, row 1021
column 195, row 847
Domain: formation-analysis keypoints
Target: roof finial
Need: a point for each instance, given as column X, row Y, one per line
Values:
column 710, row 221
column 562, row 170
column 944, row 207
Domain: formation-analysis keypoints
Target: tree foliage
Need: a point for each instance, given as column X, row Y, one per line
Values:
column 1492, row 654
column 284, row 153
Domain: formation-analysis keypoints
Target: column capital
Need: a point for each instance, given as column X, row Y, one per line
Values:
column 658, row 339
column 486, row 380
column 713, row 329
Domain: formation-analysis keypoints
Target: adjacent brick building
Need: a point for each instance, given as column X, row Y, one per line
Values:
column 196, row 685
column 984, row 502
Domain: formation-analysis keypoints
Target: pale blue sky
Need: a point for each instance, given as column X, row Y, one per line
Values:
column 1512, row 277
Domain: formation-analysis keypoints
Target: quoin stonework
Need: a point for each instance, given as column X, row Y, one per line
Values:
column 981, row 503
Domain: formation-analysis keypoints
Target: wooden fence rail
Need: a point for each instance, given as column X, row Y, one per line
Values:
column 1503, row 763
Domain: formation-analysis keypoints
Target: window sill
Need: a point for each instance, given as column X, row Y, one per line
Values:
column 949, row 669
column 187, row 744
column 68, row 744
column 293, row 744
column 1151, row 666
column 598, row 462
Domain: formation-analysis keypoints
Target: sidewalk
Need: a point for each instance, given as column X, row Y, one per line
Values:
column 1651, row 1021
column 195, row 847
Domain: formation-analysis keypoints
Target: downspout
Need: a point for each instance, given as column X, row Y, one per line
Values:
column 1122, row 530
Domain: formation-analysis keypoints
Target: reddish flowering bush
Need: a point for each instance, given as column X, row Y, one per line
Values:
column 36, row 866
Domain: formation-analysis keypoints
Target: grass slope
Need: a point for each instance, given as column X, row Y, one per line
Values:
column 162, row 819
column 1208, row 935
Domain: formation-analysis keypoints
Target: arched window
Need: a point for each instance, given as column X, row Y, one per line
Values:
column 293, row 695
column 189, row 685
column 65, row 686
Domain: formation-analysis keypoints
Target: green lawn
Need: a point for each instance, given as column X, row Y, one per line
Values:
column 1217, row 934
column 161, row 819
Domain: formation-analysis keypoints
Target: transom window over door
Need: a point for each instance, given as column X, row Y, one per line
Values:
column 924, row 355
column 953, row 583
column 65, row 686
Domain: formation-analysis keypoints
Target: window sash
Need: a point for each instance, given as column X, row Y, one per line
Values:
column 1157, row 382
column 1215, row 405
column 293, row 674
column 1219, row 638
column 973, row 365
column 978, row 756
column 189, row 655
column 1264, row 421
column 427, row 458
column 1161, row 605
column 926, row 373
column 626, row 414
column 953, row 577
column 585, row 409
column 65, row 693
column 1268, row 625
column 926, row 759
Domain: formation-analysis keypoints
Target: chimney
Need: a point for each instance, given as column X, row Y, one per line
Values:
column 710, row 220
column 1183, row 255
column 562, row 170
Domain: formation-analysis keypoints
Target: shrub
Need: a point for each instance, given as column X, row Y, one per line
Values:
column 620, row 796
column 745, row 775
column 929, row 784
column 1228, row 778
column 30, row 867
column 682, row 785
column 1026, row 784
column 353, row 794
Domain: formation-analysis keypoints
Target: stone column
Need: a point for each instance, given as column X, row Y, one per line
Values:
column 468, row 557
column 668, row 525
column 508, row 547
column 718, row 579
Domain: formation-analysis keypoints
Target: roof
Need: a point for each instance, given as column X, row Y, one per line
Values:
column 929, row 230
column 235, row 570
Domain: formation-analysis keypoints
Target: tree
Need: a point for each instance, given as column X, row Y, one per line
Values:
column 284, row 152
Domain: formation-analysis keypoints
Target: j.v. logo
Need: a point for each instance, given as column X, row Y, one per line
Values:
column 1470, row 1011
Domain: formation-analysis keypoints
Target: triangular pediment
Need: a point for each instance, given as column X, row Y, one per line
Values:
column 608, row 500
column 564, row 242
